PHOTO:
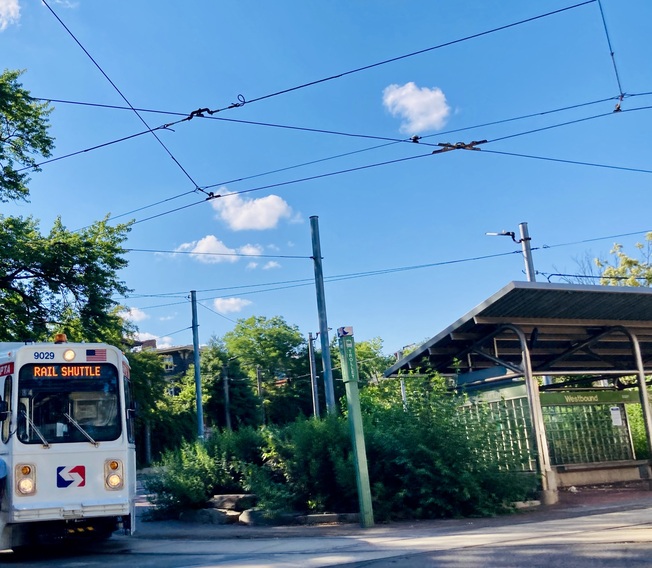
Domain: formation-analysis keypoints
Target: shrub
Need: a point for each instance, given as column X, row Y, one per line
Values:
column 184, row 479
column 307, row 468
column 423, row 463
column 234, row 454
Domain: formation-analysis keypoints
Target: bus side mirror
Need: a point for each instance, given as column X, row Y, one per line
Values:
column 4, row 410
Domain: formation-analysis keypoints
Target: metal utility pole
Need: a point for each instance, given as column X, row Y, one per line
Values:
column 195, row 346
column 259, row 383
column 524, row 241
column 227, row 409
column 313, row 376
column 323, row 324
column 350, row 377
column 527, row 253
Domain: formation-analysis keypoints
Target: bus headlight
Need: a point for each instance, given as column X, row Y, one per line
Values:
column 114, row 481
column 25, row 479
column 113, row 474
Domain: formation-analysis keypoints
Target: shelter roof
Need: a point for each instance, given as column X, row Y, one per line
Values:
column 569, row 329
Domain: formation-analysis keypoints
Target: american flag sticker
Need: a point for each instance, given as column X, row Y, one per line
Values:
column 95, row 354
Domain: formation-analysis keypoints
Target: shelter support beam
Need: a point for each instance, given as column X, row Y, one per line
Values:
column 549, row 493
column 642, row 387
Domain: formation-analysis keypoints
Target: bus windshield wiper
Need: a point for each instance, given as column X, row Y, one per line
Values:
column 46, row 444
column 76, row 425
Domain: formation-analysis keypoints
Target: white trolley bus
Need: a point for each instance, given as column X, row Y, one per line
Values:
column 67, row 452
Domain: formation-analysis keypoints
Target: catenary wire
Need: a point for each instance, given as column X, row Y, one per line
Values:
column 124, row 98
column 217, row 313
column 312, row 162
column 405, row 56
column 282, row 285
column 611, row 51
column 389, row 162
column 236, row 254
column 200, row 112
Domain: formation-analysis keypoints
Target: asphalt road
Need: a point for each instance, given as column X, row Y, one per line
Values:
column 591, row 535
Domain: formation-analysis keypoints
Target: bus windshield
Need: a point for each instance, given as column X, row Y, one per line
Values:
column 62, row 403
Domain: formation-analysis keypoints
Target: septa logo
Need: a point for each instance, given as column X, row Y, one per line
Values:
column 71, row 476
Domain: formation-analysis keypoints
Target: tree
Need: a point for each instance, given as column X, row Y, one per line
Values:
column 221, row 372
column 23, row 134
column 274, row 352
column 624, row 270
column 64, row 281
column 148, row 384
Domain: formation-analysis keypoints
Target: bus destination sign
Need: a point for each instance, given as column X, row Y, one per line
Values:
column 66, row 371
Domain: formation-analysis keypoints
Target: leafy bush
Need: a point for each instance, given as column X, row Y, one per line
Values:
column 423, row 462
column 184, row 479
column 307, row 467
column 637, row 428
column 235, row 453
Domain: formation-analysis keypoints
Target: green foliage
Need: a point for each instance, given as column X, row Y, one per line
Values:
column 624, row 270
column 422, row 462
column 216, row 363
column 307, row 467
column 63, row 282
column 236, row 454
column 275, row 352
column 185, row 479
column 23, row 136
column 637, row 429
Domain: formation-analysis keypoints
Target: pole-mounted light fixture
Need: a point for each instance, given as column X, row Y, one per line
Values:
column 524, row 241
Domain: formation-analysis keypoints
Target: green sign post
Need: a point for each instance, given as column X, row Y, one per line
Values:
column 350, row 375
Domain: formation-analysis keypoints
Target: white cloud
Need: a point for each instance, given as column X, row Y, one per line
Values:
column 258, row 214
column 161, row 342
column 230, row 305
column 209, row 250
column 9, row 13
column 252, row 250
column 133, row 314
column 252, row 265
column 420, row 108
column 271, row 264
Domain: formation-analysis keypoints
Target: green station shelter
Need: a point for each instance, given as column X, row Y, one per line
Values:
column 562, row 370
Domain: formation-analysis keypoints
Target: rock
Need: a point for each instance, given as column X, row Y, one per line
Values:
column 209, row 517
column 233, row 502
column 258, row 517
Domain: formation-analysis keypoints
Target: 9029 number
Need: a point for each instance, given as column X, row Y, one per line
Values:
column 42, row 355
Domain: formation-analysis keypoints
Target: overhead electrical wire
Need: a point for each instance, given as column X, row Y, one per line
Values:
column 124, row 98
column 281, row 184
column 354, row 275
column 288, row 284
column 237, row 254
column 400, row 57
column 390, row 140
column 572, row 162
column 201, row 113
column 443, row 133
column 217, row 313
column 611, row 53
column 212, row 196
column 312, row 162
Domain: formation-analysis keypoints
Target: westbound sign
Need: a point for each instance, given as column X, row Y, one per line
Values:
column 588, row 397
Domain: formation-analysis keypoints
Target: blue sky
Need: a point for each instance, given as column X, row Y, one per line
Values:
column 333, row 92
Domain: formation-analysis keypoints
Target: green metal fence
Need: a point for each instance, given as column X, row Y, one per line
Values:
column 504, row 426
column 587, row 433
